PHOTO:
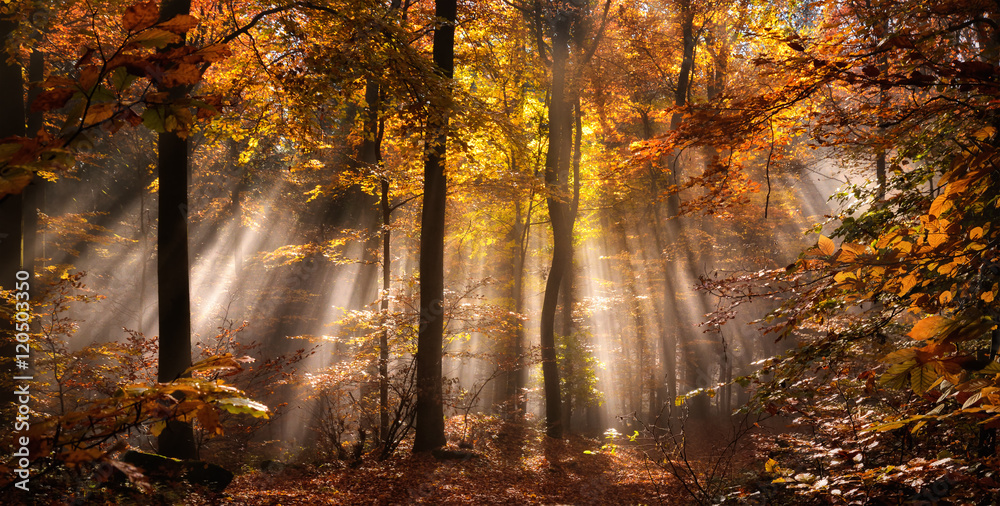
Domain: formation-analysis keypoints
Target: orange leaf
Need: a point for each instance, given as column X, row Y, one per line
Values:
column 929, row 327
column 936, row 239
column 826, row 245
column 908, row 282
column 940, row 205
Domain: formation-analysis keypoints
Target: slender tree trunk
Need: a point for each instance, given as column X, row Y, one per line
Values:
column 522, row 232
column 681, row 94
column 172, row 266
column 430, row 338
column 34, row 195
column 372, row 156
column 556, row 176
column 568, row 293
column 383, row 343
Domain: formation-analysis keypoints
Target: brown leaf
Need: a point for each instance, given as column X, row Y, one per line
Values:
column 89, row 77
column 52, row 99
column 140, row 16
column 185, row 73
column 179, row 24
column 214, row 53
column 826, row 245
column 13, row 180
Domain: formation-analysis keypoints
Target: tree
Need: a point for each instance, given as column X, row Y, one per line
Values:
column 567, row 23
column 172, row 264
column 430, row 339
column 11, row 206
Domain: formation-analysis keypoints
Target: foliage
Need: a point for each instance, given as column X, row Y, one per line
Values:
column 113, row 86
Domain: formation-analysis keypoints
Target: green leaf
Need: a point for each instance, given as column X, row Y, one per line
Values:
column 237, row 405
column 153, row 118
column 121, row 79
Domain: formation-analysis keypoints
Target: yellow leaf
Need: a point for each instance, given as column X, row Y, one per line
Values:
column 844, row 276
column 770, row 465
column 826, row 245
column 984, row 133
column 976, row 233
column 922, row 378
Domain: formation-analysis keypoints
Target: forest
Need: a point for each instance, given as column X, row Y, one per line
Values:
column 728, row 252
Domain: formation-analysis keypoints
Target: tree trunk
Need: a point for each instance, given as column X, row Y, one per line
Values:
column 430, row 339
column 34, row 195
column 680, row 95
column 383, row 343
column 568, row 286
column 11, row 206
column 556, row 176
column 172, row 266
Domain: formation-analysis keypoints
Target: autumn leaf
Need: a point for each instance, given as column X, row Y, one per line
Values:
column 155, row 37
column 140, row 16
column 237, row 405
column 98, row 113
column 929, row 327
column 52, row 99
column 214, row 53
column 770, row 466
column 180, row 24
column 13, row 180
column 923, row 377
column 185, row 73
column 826, row 245
column 940, row 205
column 208, row 417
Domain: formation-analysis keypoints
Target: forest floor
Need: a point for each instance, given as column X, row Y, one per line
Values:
column 514, row 464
